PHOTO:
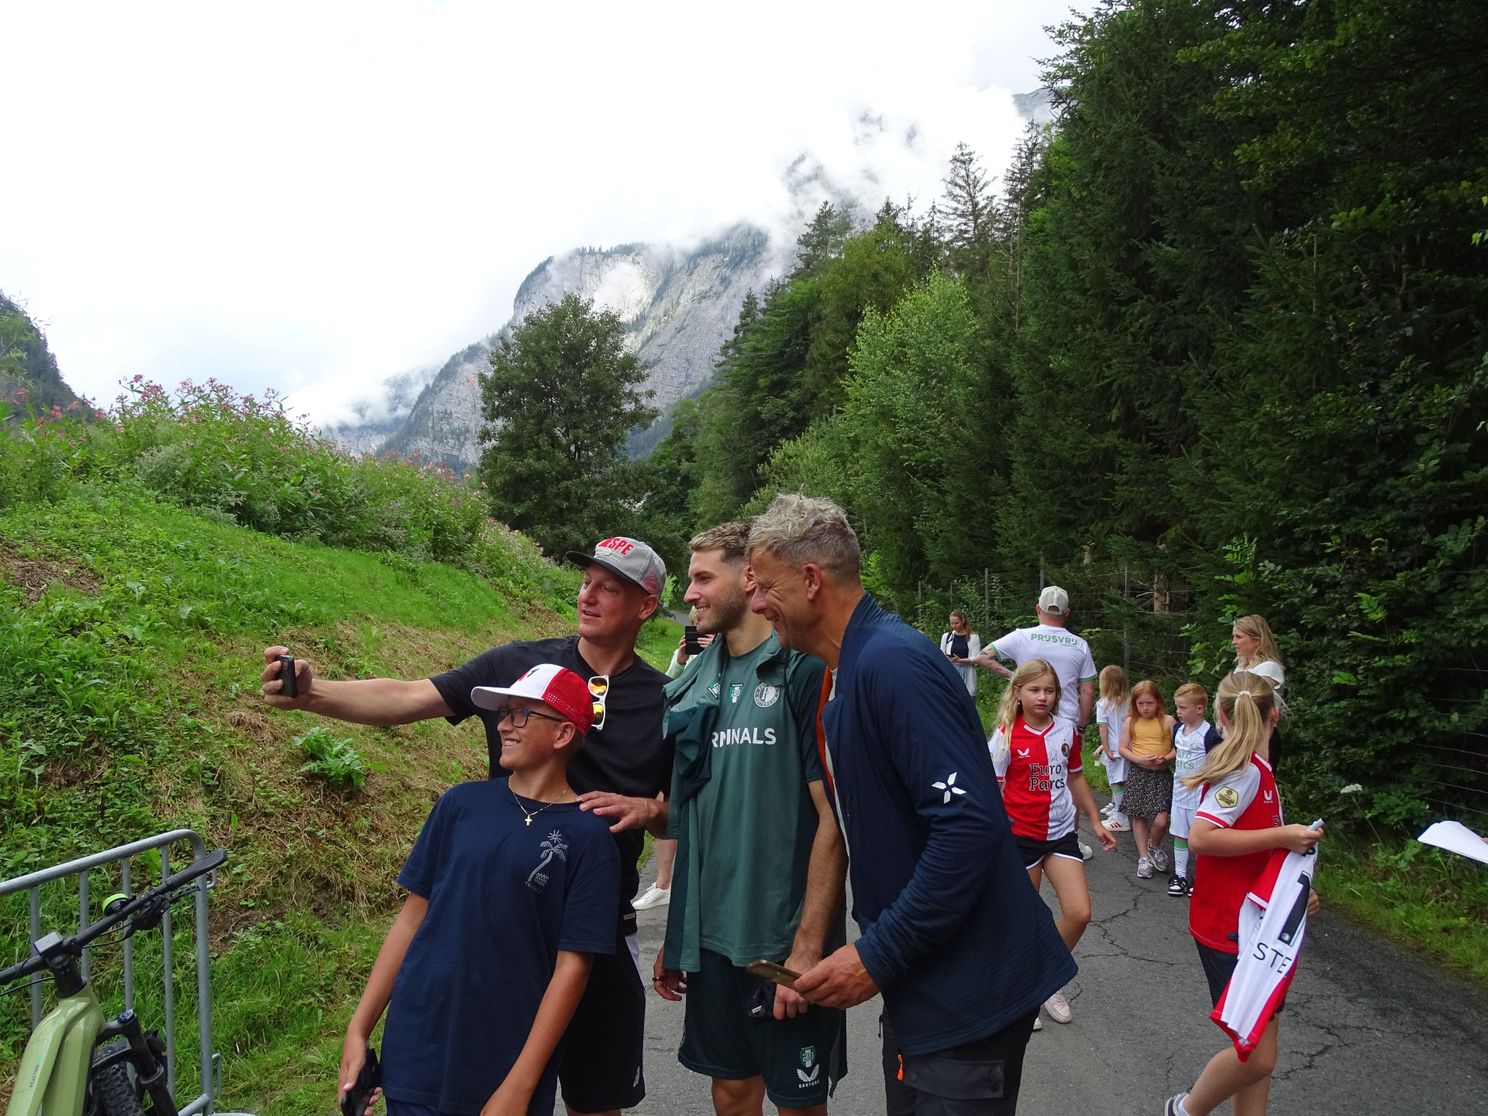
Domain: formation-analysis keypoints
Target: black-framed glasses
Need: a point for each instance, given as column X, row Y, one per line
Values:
column 599, row 689
column 521, row 714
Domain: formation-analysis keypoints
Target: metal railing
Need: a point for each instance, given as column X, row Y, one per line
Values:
column 32, row 883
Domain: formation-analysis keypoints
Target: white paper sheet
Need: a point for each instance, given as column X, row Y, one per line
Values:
column 1455, row 837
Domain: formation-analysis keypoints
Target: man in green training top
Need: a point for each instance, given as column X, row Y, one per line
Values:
column 760, row 861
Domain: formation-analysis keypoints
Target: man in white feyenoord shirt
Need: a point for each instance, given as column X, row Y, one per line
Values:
column 1066, row 652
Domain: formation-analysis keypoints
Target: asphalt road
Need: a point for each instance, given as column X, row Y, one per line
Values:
column 1367, row 1029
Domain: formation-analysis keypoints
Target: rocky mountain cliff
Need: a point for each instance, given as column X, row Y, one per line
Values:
column 678, row 306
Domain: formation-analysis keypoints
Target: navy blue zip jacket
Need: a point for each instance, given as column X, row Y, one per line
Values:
column 952, row 933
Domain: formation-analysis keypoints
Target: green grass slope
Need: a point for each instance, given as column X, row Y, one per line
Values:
column 131, row 635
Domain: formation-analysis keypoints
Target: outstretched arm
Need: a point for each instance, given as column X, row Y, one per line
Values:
column 988, row 659
column 362, row 701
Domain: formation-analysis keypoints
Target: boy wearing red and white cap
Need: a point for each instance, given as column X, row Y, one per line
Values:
column 512, row 890
column 618, row 774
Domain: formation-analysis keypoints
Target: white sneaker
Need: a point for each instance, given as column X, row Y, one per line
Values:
column 1085, row 850
column 1144, row 869
column 1159, row 859
column 1117, row 823
column 1107, row 808
column 1058, row 1008
column 654, row 897
column 1038, row 1023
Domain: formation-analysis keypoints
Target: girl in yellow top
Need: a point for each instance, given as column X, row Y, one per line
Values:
column 1147, row 747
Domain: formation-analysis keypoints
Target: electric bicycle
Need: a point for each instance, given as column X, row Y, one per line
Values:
column 77, row 1062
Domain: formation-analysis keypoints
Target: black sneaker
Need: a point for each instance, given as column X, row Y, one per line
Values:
column 1178, row 887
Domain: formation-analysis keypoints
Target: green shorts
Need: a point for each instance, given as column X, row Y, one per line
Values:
column 799, row 1058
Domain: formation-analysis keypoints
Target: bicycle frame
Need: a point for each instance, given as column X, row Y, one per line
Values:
column 54, row 1069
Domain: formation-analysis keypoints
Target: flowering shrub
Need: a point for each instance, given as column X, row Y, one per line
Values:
column 245, row 459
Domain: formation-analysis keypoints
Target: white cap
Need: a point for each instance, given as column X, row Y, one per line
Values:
column 1054, row 600
column 559, row 688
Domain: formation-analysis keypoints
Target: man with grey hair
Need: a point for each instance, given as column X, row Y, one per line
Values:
column 963, row 950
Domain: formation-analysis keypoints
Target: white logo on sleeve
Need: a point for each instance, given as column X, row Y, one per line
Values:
column 949, row 786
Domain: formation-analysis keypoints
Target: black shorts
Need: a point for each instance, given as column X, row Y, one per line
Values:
column 981, row 1078
column 1032, row 852
column 799, row 1058
column 601, row 1066
column 1219, row 966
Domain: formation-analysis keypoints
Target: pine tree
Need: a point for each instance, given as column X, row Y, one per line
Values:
column 558, row 402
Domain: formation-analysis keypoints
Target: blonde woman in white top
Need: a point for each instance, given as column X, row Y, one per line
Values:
column 1256, row 652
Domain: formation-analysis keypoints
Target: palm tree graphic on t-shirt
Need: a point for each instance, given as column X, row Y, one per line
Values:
column 553, row 845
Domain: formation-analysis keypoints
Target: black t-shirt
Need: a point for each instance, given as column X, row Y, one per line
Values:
column 627, row 756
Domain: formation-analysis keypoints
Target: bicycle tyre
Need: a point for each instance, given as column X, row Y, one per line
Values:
column 113, row 1091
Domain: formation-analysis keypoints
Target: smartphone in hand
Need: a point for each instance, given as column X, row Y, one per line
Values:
column 771, row 970
column 287, row 676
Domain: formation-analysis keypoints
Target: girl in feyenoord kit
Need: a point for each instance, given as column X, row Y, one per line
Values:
column 1237, row 826
column 1043, row 781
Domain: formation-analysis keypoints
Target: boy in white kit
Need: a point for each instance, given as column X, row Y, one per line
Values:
column 1193, row 736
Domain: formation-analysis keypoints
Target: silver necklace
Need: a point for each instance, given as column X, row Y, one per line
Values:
column 528, row 815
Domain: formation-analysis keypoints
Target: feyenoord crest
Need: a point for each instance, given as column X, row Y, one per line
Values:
column 766, row 694
column 1227, row 797
column 734, row 691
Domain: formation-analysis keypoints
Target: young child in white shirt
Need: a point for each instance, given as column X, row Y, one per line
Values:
column 1193, row 736
column 1110, row 716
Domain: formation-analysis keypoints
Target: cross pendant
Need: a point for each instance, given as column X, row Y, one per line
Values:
column 528, row 821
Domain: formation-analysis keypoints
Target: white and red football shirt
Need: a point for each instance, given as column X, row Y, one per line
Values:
column 1248, row 799
column 1035, row 768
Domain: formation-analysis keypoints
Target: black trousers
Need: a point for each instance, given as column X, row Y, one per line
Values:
column 981, row 1078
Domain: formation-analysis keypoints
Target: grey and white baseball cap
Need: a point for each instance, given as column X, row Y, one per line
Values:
column 630, row 559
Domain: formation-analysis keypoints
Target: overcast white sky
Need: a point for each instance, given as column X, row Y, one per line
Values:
column 314, row 196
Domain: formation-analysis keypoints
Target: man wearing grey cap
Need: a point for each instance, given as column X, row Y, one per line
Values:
column 1066, row 652
column 618, row 775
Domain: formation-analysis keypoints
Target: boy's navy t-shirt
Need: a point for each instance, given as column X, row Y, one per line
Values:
column 627, row 756
column 504, row 898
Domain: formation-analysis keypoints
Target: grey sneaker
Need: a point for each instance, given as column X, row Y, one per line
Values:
column 1144, row 869
column 1159, row 859
column 1085, row 850
column 1174, row 1107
